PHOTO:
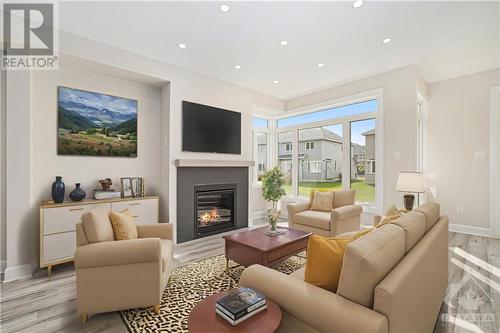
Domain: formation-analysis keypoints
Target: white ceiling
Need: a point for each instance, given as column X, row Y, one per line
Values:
column 443, row 39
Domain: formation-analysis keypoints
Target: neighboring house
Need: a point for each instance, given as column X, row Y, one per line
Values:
column 262, row 155
column 370, row 156
column 320, row 154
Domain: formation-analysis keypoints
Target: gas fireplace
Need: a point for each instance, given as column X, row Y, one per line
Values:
column 214, row 209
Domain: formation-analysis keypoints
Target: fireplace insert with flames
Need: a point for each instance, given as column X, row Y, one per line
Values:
column 214, row 209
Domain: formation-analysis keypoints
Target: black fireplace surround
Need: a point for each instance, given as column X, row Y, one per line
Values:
column 211, row 200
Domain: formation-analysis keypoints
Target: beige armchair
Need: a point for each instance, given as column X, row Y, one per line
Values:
column 344, row 217
column 116, row 275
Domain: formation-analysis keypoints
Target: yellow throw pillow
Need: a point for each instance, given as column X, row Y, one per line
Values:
column 322, row 201
column 325, row 256
column 123, row 225
column 392, row 210
column 388, row 219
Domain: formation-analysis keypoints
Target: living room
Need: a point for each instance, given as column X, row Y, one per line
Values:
column 262, row 145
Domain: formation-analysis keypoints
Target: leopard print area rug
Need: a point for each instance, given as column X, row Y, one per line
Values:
column 189, row 284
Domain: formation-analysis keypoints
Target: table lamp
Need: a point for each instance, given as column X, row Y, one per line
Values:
column 410, row 182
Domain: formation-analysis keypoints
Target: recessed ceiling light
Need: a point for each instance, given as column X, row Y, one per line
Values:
column 237, row 66
column 358, row 3
column 224, row 8
column 386, row 40
column 182, row 45
column 284, row 42
column 321, row 65
column 276, row 81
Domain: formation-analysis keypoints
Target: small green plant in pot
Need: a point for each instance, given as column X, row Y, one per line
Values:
column 273, row 190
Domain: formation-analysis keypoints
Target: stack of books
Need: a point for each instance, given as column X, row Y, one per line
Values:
column 239, row 305
column 100, row 195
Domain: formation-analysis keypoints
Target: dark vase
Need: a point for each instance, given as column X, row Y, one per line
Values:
column 58, row 190
column 78, row 193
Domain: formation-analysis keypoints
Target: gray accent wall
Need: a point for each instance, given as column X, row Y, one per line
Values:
column 189, row 177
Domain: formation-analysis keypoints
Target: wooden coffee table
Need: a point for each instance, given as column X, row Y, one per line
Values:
column 203, row 319
column 255, row 247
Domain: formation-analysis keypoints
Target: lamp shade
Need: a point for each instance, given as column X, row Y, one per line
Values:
column 410, row 181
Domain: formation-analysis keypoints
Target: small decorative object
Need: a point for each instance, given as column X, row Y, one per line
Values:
column 95, row 124
column 58, row 190
column 410, row 182
column 106, row 184
column 138, row 186
column 78, row 193
column 127, row 190
column 272, row 190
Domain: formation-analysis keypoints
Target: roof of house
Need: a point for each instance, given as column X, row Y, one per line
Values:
column 311, row 134
column 370, row 132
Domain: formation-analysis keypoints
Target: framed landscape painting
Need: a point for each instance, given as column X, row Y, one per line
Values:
column 94, row 124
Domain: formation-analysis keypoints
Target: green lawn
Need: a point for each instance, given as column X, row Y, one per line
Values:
column 364, row 192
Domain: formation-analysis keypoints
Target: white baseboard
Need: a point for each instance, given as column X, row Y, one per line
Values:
column 470, row 230
column 17, row 273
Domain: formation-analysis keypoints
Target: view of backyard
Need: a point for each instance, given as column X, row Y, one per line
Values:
column 364, row 192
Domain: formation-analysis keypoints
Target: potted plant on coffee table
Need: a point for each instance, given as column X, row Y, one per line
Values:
column 272, row 191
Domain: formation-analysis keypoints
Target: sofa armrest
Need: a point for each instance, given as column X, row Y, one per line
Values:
column 157, row 230
column 118, row 253
column 319, row 308
column 297, row 207
column 345, row 212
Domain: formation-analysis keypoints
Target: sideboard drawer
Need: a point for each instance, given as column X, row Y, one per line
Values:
column 62, row 219
column 287, row 250
column 144, row 211
column 59, row 246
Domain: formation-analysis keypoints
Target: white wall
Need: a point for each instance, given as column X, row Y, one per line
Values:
column 458, row 128
column 31, row 148
column 399, row 123
column 46, row 164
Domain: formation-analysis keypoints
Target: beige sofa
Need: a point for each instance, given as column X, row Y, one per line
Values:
column 116, row 275
column 393, row 280
column 344, row 217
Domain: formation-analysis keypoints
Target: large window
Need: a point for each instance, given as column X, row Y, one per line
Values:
column 285, row 145
column 318, row 163
column 330, row 149
column 260, row 147
column 363, row 160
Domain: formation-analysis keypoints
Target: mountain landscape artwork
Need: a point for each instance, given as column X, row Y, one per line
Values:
column 94, row 124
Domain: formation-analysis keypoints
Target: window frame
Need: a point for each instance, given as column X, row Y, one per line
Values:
column 376, row 94
column 255, row 147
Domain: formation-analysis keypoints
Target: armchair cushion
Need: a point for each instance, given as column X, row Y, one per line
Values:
column 123, row 225
column 104, row 254
column 322, row 201
column 345, row 212
column 98, row 226
column 158, row 230
column 313, row 218
column 343, row 198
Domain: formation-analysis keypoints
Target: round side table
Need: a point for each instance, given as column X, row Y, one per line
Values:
column 203, row 318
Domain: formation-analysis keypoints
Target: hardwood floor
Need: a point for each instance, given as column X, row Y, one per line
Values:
column 47, row 305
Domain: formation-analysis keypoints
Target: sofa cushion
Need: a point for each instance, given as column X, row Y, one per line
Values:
column 313, row 218
column 123, row 225
column 368, row 260
column 431, row 212
column 322, row 201
column 343, row 198
column 98, row 226
column 324, row 259
column 413, row 224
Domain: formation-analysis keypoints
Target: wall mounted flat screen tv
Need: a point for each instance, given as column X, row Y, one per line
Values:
column 208, row 129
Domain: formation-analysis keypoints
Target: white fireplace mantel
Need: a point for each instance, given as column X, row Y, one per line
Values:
column 212, row 163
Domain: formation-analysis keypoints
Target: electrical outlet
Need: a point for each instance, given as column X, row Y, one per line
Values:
column 397, row 155
column 165, row 142
column 460, row 210
column 479, row 155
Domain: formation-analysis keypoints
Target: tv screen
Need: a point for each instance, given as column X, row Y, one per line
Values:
column 210, row 130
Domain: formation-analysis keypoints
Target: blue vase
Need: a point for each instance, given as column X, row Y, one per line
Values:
column 58, row 190
column 78, row 193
